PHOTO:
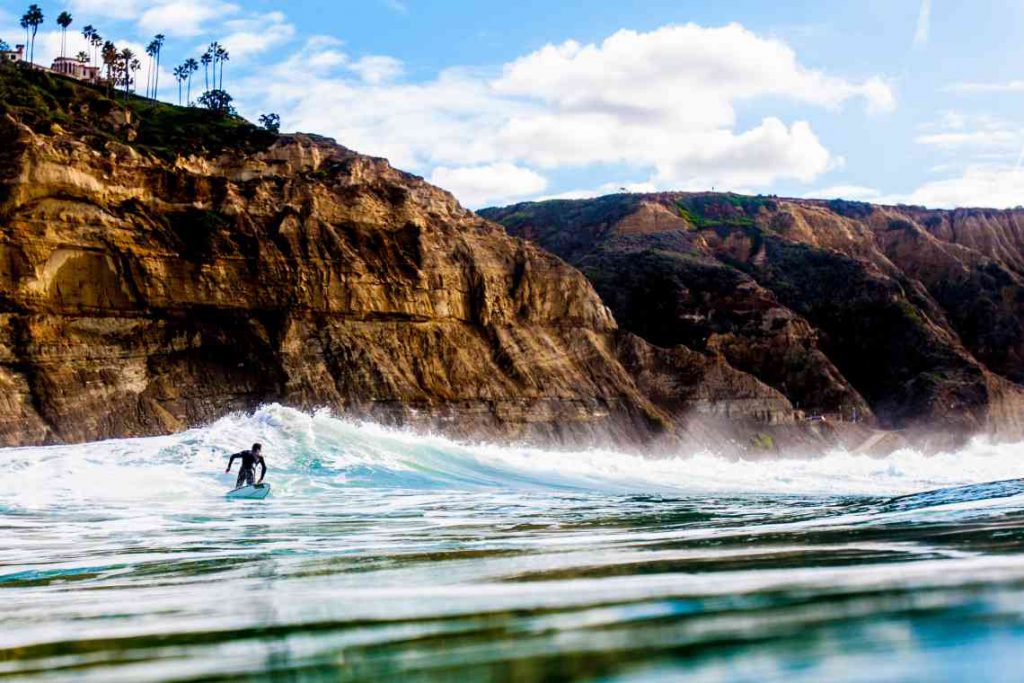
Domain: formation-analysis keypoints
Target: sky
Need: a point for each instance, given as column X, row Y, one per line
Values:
column 891, row 101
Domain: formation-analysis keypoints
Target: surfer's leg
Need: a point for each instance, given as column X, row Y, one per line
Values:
column 248, row 475
column 240, row 482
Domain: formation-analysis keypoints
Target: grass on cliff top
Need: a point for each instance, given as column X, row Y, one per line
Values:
column 40, row 100
column 704, row 211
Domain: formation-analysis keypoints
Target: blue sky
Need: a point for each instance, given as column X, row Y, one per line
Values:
column 913, row 101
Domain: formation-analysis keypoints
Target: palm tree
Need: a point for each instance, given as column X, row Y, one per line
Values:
column 63, row 20
column 222, row 56
column 151, row 50
column 206, row 59
column 97, row 42
column 191, row 66
column 158, row 39
column 134, row 65
column 214, row 52
column 88, row 32
column 179, row 76
column 82, row 57
column 32, row 18
column 110, row 57
column 127, row 57
column 25, row 25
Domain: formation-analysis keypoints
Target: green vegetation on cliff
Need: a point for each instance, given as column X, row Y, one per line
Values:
column 726, row 210
column 39, row 100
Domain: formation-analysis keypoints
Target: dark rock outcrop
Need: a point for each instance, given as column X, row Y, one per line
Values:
column 902, row 315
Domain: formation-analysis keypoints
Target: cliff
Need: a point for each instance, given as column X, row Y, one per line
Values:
column 900, row 316
column 161, row 266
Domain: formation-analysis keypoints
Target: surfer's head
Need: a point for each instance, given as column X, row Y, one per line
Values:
column 257, row 447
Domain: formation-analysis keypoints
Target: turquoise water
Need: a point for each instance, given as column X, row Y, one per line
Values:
column 382, row 555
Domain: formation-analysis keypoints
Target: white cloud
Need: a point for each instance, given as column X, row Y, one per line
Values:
column 397, row 6
column 171, row 17
column 376, row 69
column 966, row 88
column 690, row 73
column 663, row 104
column 256, row 34
column 988, row 186
column 981, row 185
column 983, row 155
column 972, row 139
column 478, row 186
column 924, row 20
column 1010, row 140
column 124, row 10
column 754, row 158
column 184, row 17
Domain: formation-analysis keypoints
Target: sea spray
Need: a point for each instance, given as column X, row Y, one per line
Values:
column 311, row 452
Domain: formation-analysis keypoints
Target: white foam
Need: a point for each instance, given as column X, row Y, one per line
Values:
column 309, row 452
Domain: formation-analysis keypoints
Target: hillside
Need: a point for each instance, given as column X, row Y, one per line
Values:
column 900, row 316
column 162, row 266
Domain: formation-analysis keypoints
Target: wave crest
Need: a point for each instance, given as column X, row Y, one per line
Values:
column 317, row 452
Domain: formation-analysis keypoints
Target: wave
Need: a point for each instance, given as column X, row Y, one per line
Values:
column 307, row 453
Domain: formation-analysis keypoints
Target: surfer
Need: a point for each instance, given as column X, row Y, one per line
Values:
column 250, row 458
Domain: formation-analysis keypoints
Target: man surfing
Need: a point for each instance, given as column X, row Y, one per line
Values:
column 250, row 458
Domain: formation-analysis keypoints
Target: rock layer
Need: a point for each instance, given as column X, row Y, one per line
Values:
column 144, row 290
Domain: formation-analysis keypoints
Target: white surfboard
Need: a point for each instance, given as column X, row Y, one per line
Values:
column 250, row 492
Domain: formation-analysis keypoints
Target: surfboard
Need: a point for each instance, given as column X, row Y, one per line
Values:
column 250, row 492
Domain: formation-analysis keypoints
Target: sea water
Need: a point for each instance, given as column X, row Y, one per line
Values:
column 384, row 555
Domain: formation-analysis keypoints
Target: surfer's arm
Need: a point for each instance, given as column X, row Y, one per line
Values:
column 231, row 461
column 263, row 470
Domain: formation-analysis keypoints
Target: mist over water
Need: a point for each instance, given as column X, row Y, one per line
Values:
column 383, row 554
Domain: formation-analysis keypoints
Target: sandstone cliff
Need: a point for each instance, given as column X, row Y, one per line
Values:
column 899, row 315
column 160, row 267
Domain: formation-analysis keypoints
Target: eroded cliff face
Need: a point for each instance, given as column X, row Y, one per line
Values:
column 143, row 292
column 902, row 316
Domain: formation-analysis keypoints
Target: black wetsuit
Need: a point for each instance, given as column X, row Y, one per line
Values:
column 247, row 471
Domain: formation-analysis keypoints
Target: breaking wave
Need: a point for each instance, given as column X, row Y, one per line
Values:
column 315, row 453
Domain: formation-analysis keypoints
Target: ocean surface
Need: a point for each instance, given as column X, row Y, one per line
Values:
column 381, row 555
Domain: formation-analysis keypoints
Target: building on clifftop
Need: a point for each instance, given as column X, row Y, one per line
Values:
column 15, row 55
column 69, row 66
